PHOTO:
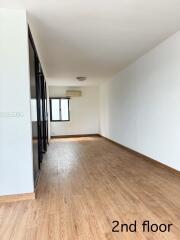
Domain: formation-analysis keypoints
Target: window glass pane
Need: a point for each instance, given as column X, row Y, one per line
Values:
column 64, row 109
column 55, row 109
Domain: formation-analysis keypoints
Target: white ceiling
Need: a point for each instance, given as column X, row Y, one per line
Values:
column 95, row 38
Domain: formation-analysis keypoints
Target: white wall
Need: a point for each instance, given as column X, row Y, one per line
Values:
column 84, row 112
column 140, row 107
column 16, row 170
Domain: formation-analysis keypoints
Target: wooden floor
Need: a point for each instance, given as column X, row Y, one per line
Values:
column 85, row 184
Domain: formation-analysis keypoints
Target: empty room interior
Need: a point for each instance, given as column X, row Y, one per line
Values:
column 90, row 120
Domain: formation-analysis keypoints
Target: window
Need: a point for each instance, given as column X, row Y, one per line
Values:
column 59, row 109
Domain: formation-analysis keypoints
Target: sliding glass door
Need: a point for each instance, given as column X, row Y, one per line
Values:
column 34, row 117
column 38, row 108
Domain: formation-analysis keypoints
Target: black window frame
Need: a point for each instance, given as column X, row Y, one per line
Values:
column 59, row 98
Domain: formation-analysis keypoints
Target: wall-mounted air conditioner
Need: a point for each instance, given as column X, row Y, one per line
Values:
column 73, row 93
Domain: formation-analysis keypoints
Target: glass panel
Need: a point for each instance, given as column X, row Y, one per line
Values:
column 33, row 110
column 55, row 109
column 64, row 109
column 34, row 120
